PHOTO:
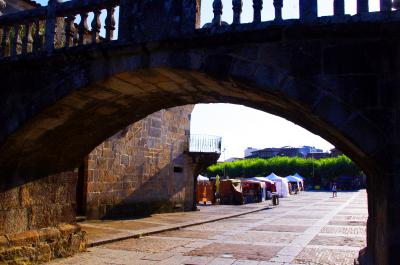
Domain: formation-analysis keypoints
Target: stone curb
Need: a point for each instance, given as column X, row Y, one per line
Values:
column 177, row 227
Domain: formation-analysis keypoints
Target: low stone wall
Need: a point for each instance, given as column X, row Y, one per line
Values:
column 34, row 204
column 42, row 245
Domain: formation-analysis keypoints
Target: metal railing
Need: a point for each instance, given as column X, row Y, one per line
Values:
column 205, row 143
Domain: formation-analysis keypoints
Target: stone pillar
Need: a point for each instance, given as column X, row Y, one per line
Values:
column 383, row 230
column 152, row 20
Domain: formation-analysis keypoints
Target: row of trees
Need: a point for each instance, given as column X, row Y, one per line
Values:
column 325, row 168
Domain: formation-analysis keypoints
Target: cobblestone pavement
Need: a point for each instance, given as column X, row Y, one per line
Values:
column 310, row 228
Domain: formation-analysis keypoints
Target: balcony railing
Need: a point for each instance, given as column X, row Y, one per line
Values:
column 204, row 144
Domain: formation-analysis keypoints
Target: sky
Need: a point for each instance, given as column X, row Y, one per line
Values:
column 241, row 127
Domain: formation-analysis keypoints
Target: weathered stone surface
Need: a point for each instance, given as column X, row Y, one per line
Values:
column 39, row 203
column 67, row 229
column 132, row 172
column 39, row 246
column 24, row 239
column 49, row 125
column 50, row 234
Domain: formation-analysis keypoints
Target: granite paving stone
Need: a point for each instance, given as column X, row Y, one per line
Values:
column 309, row 228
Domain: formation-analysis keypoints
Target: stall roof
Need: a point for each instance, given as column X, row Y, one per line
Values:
column 273, row 176
column 293, row 179
column 297, row 175
column 202, row 178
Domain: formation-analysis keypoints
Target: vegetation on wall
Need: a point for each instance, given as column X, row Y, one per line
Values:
column 326, row 168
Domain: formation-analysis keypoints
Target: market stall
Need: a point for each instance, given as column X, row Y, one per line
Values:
column 282, row 185
column 253, row 191
column 231, row 191
column 205, row 190
column 296, row 184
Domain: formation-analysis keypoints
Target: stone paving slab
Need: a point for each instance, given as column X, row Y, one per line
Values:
column 147, row 245
column 338, row 241
column 326, row 257
column 237, row 251
column 281, row 228
column 348, row 223
column 103, row 232
column 278, row 236
column 347, row 230
column 258, row 236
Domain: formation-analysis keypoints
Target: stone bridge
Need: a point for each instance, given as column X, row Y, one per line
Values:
column 65, row 86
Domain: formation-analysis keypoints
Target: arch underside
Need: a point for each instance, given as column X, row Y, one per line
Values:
column 67, row 111
column 59, row 137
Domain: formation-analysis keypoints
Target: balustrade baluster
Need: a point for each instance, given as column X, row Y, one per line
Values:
column 69, row 31
column 217, row 10
column 25, row 39
column 51, row 23
column 308, row 10
column 16, row 40
column 278, row 5
column 29, row 41
column 5, row 42
column 386, row 5
column 362, row 6
column 36, row 38
column 338, row 7
column 110, row 23
column 257, row 6
column 83, row 28
column 96, row 25
column 237, row 11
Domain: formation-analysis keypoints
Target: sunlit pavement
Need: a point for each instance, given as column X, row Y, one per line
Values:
column 310, row 228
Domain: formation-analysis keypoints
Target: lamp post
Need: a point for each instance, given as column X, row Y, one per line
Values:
column 224, row 163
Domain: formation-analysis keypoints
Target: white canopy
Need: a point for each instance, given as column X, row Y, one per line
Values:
column 297, row 175
column 282, row 185
column 272, row 176
column 262, row 179
column 202, row 178
column 294, row 179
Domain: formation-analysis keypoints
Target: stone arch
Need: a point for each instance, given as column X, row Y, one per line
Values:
column 50, row 124
column 58, row 137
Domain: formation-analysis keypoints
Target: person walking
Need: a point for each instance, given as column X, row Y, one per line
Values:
column 334, row 190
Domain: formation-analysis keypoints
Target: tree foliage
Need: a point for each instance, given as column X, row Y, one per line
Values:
column 327, row 168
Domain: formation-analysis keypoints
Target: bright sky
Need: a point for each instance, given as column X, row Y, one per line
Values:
column 242, row 127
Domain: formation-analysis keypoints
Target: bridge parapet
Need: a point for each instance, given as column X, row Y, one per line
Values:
column 45, row 29
column 308, row 10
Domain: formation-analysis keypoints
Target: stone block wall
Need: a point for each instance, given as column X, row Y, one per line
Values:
column 37, row 219
column 38, row 203
column 42, row 245
column 144, row 168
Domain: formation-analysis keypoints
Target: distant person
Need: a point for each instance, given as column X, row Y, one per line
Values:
column 334, row 190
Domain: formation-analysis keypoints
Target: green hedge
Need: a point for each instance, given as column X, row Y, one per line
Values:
column 327, row 168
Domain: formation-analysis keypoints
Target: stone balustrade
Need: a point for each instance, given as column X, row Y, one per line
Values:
column 66, row 25
column 308, row 9
column 54, row 27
